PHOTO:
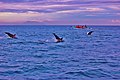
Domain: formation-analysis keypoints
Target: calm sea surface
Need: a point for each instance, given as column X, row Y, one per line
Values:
column 36, row 56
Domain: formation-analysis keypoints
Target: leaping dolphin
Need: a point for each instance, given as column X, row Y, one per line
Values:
column 11, row 35
column 58, row 38
column 89, row 33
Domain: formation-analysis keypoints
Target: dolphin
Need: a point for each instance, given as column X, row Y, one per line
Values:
column 11, row 35
column 58, row 38
column 89, row 33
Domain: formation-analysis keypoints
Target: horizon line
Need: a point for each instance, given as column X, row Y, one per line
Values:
column 62, row 24
column 66, row 24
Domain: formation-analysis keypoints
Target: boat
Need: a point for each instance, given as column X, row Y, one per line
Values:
column 81, row 26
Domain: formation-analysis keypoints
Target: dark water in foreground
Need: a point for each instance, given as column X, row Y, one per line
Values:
column 35, row 55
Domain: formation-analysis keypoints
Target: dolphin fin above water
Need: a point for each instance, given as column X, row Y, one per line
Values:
column 89, row 33
column 11, row 35
column 58, row 38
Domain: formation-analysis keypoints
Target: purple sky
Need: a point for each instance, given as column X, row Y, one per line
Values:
column 60, row 12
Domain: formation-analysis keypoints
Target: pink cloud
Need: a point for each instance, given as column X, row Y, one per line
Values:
column 116, row 21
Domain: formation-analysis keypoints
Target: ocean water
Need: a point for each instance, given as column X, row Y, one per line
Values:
column 36, row 56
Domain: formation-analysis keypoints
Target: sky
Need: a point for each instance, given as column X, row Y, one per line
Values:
column 61, row 12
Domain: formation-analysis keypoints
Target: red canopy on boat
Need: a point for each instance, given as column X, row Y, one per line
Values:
column 79, row 26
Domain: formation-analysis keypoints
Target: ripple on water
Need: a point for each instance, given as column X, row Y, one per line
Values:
column 9, row 66
column 91, row 74
column 10, row 72
column 78, row 73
